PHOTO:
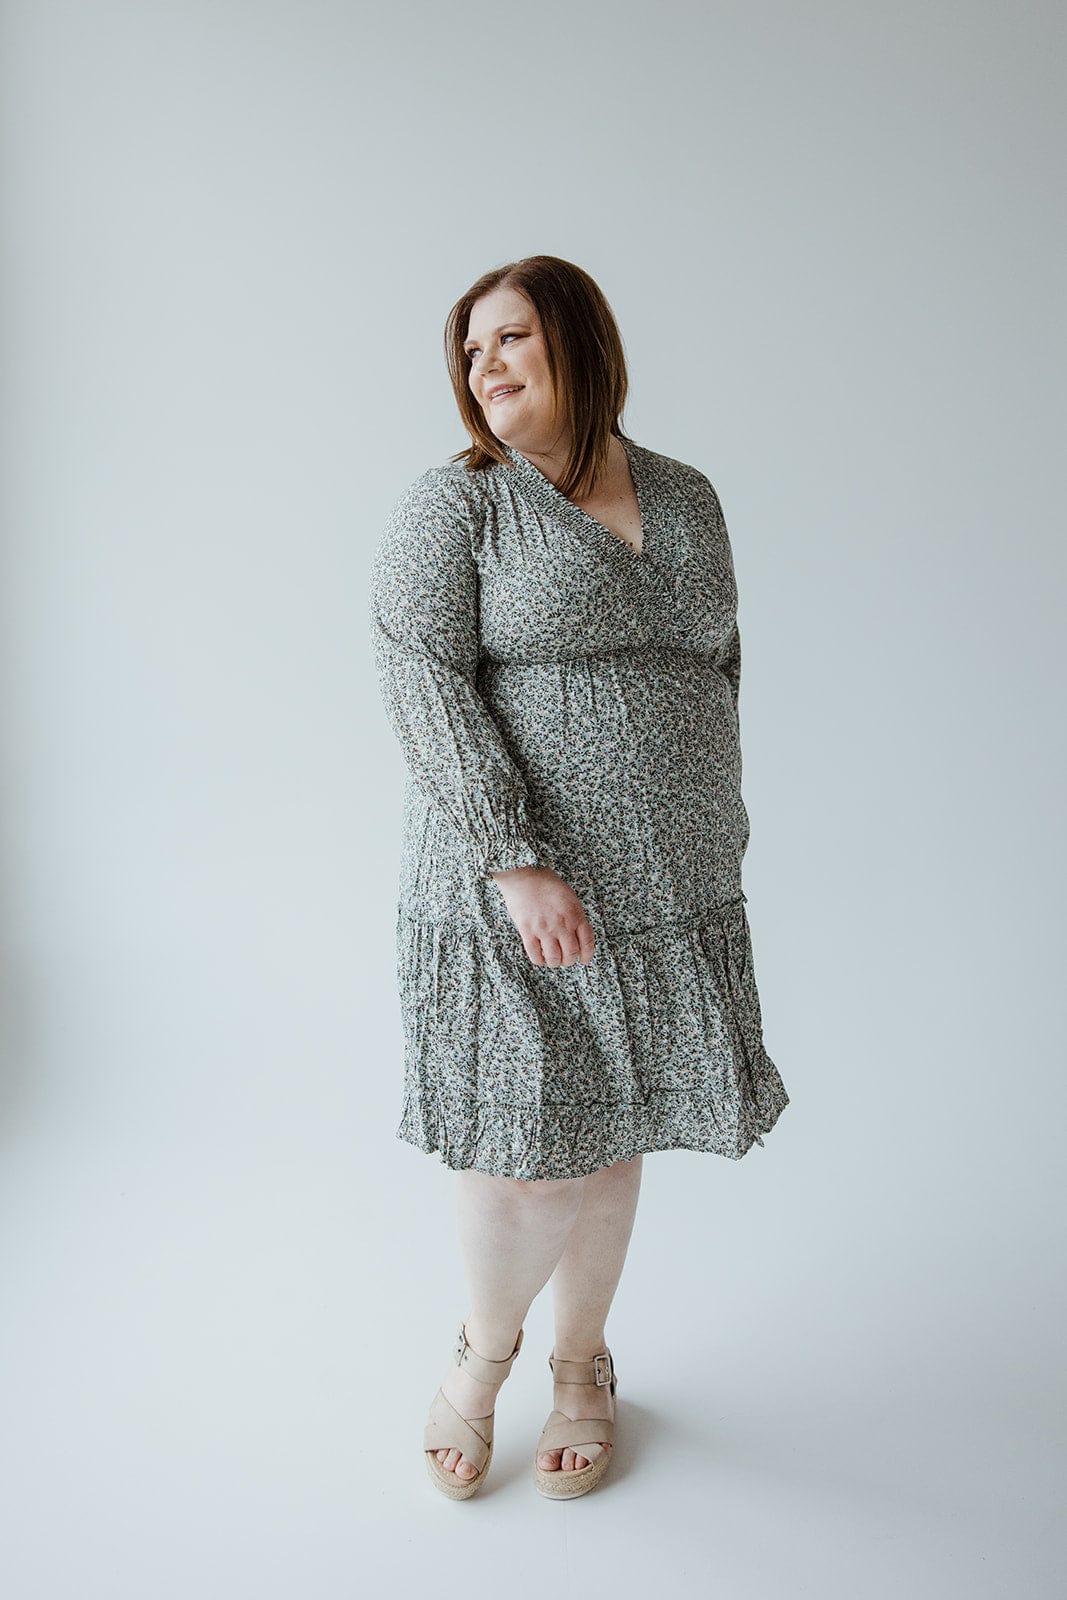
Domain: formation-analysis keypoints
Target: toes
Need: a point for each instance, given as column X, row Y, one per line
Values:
column 566, row 1460
column 453, row 1460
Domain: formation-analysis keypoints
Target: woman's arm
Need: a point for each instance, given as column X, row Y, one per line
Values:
column 730, row 664
column 423, row 613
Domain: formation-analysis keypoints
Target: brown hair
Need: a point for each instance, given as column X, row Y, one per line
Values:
column 585, row 359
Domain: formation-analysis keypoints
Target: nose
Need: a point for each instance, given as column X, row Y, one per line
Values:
column 482, row 362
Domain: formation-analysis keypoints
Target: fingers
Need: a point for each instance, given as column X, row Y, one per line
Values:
column 562, row 948
column 586, row 941
column 575, row 944
column 549, row 917
column 568, row 946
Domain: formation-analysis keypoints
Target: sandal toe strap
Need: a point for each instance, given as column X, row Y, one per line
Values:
column 447, row 1430
column 561, row 1433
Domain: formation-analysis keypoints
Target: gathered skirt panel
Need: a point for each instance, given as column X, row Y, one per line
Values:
column 529, row 1071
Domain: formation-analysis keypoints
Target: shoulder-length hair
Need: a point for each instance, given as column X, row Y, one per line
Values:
column 585, row 359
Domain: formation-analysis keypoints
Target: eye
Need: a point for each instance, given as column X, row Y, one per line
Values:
column 472, row 350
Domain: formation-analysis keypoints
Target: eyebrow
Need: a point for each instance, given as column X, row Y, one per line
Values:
column 503, row 326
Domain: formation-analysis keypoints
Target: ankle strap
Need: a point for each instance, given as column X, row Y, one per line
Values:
column 599, row 1370
column 479, row 1366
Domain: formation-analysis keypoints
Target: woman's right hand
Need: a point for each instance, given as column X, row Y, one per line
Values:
column 550, row 917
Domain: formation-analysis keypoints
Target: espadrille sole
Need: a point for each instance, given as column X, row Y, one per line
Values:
column 562, row 1485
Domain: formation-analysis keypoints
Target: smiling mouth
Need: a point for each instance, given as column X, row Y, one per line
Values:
column 505, row 394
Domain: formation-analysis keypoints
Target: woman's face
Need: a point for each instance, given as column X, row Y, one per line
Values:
column 507, row 350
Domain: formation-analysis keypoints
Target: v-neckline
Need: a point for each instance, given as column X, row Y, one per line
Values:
column 545, row 494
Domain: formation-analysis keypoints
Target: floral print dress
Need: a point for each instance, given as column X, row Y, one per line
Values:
column 561, row 699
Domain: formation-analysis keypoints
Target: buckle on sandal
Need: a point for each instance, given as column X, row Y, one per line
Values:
column 602, row 1367
column 460, row 1346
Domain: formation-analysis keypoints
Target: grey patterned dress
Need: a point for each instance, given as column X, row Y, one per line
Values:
column 563, row 700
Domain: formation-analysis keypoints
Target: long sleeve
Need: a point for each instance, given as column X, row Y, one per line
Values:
column 424, row 626
column 730, row 664
column 728, row 660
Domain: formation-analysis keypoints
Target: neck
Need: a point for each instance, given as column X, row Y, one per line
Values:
column 551, row 461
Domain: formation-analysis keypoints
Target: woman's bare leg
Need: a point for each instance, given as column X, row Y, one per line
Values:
column 583, row 1286
column 512, row 1233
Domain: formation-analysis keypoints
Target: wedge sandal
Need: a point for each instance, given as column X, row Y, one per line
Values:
column 447, row 1430
column 586, row 1436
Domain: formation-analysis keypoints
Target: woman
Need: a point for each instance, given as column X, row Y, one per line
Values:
column 554, row 616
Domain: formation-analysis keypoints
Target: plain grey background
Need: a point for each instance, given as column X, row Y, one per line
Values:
column 832, row 235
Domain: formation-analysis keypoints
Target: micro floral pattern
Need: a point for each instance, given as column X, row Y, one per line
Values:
column 561, row 699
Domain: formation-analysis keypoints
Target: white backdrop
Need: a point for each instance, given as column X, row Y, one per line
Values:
column 834, row 243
